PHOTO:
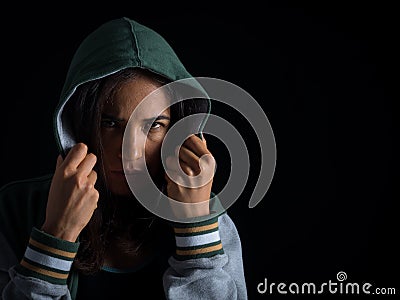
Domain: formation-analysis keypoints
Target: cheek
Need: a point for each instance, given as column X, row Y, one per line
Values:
column 111, row 143
column 153, row 156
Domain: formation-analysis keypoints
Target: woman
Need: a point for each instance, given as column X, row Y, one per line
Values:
column 80, row 233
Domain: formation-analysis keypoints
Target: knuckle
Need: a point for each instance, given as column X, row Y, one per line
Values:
column 189, row 172
column 80, row 182
column 96, row 194
column 208, row 160
column 67, row 172
column 79, row 149
column 92, row 156
column 81, row 146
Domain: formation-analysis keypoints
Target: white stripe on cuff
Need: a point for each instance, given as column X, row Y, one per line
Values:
column 47, row 260
column 196, row 240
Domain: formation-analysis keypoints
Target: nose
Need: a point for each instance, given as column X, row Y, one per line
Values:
column 131, row 154
column 132, row 150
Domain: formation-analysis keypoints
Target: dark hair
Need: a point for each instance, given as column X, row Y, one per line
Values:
column 111, row 222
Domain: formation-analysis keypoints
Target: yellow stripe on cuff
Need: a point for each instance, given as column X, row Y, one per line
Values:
column 43, row 271
column 51, row 249
column 199, row 251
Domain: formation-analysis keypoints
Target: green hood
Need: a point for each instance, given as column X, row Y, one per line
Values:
column 115, row 45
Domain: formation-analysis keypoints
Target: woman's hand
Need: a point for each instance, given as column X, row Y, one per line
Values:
column 72, row 197
column 198, row 188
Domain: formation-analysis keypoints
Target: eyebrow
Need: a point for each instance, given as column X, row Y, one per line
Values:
column 106, row 116
column 160, row 117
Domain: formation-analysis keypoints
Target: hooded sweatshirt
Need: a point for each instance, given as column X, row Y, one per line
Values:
column 207, row 262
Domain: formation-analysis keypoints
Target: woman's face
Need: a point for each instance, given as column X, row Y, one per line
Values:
column 145, row 149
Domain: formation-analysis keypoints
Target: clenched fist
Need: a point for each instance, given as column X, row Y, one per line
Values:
column 198, row 164
column 72, row 197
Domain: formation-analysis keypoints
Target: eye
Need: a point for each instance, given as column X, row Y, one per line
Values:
column 156, row 125
column 107, row 123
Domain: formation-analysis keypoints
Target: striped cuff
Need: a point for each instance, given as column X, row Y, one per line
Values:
column 196, row 240
column 48, row 258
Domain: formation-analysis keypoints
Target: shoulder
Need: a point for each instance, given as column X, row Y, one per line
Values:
column 22, row 206
column 24, row 197
column 31, row 184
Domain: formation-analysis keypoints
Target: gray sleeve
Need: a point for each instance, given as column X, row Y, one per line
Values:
column 217, row 277
column 14, row 285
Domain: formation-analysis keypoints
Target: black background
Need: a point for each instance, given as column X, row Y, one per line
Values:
column 325, row 77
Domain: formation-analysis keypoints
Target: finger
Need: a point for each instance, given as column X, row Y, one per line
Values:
column 59, row 161
column 207, row 164
column 75, row 156
column 187, row 169
column 174, row 167
column 92, row 177
column 204, row 139
column 196, row 145
column 87, row 164
column 189, row 158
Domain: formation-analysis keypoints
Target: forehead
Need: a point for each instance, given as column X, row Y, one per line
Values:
column 128, row 95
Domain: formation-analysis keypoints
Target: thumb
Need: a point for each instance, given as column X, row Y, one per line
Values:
column 204, row 139
column 59, row 161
